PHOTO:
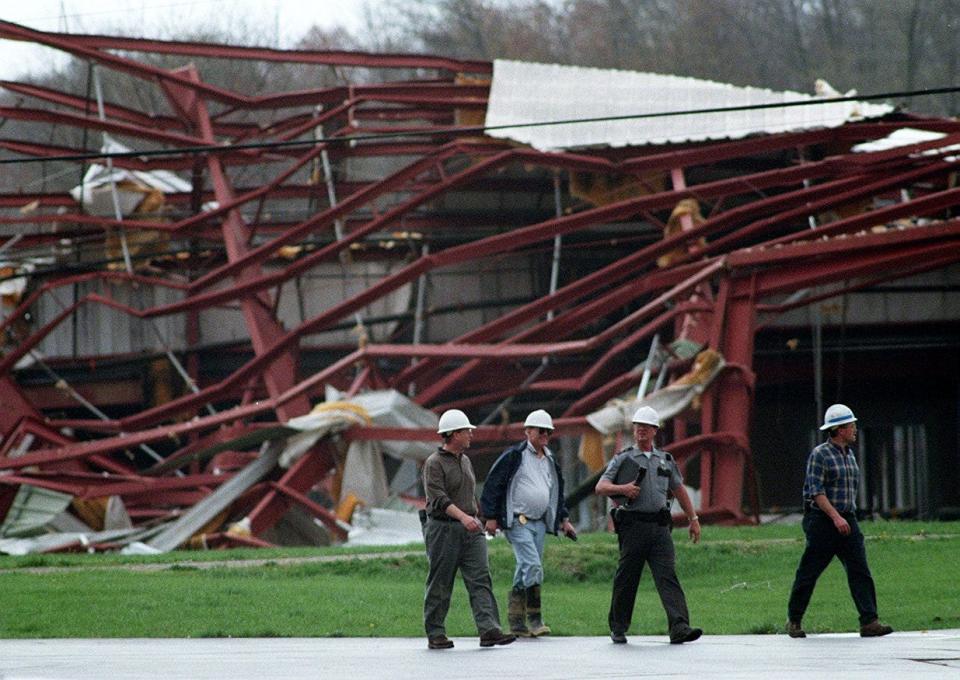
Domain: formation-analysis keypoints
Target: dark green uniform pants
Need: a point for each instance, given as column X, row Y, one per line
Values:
column 451, row 547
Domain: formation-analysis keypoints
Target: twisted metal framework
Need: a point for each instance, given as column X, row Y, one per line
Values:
column 731, row 273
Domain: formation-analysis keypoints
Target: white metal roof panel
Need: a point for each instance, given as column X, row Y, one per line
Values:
column 898, row 138
column 523, row 92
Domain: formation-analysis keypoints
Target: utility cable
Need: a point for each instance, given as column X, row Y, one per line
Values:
column 475, row 129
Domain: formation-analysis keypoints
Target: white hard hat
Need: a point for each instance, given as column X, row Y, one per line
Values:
column 539, row 418
column 452, row 420
column 837, row 415
column 646, row 415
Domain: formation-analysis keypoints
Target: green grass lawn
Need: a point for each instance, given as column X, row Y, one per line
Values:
column 737, row 581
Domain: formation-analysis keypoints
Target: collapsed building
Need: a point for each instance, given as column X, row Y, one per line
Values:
column 229, row 318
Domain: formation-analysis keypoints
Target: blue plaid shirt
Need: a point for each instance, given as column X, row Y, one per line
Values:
column 834, row 472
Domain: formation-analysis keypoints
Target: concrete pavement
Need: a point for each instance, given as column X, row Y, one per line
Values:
column 934, row 654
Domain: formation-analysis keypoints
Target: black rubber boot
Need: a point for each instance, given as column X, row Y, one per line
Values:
column 534, row 620
column 517, row 611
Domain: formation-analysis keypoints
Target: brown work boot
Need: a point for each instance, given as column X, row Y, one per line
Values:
column 794, row 630
column 875, row 629
column 495, row 636
column 439, row 642
column 517, row 612
column 534, row 618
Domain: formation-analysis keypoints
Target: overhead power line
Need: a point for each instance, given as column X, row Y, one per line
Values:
column 474, row 129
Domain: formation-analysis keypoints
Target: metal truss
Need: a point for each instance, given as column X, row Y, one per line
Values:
column 775, row 223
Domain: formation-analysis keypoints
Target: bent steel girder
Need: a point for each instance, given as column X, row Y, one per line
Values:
column 223, row 51
column 726, row 470
column 445, row 153
column 493, row 244
column 756, row 244
column 281, row 371
column 121, row 113
column 600, row 305
column 564, row 323
column 628, row 266
column 13, row 31
column 94, row 123
column 198, row 303
column 836, row 194
column 756, row 274
column 903, row 250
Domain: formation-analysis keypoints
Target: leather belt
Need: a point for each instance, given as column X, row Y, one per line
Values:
column 444, row 518
column 523, row 519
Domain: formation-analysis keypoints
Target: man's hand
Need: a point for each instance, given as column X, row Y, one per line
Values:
column 842, row 525
column 631, row 491
column 827, row 508
column 492, row 526
column 568, row 530
column 695, row 530
column 471, row 524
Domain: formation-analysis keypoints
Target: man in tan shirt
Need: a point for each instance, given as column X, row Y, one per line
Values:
column 454, row 538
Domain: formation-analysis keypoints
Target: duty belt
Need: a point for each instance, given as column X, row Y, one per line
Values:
column 661, row 517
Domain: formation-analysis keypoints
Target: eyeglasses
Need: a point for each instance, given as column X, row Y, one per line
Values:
column 543, row 430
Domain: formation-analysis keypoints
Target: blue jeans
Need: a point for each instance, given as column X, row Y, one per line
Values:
column 527, row 541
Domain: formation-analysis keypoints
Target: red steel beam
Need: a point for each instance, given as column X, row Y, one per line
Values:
column 92, row 122
column 269, row 54
column 744, row 279
column 309, row 469
column 117, row 112
column 328, row 518
column 412, row 273
column 280, row 374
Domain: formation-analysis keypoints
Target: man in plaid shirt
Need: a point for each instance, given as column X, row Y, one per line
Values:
column 830, row 524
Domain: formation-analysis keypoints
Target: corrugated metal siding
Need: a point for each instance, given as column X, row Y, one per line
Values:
column 33, row 507
column 888, row 307
column 470, row 283
column 524, row 92
column 97, row 330
column 323, row 287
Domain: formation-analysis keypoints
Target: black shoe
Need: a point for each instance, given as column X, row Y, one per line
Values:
column 685, row 634
column 618, row 638
column 875, row 629
column 439, row 642
column 496, row 637
column 794, row 630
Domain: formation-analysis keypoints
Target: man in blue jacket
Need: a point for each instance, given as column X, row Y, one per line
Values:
column 523, row 496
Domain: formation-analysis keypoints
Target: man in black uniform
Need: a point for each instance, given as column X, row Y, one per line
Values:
column 640, row 479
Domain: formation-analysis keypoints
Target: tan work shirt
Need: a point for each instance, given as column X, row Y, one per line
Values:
column 448, row 479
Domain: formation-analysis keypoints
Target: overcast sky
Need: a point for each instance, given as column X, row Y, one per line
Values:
column 283, row 21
